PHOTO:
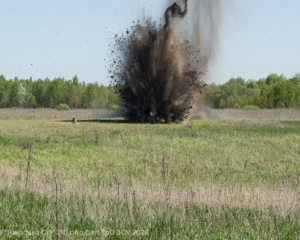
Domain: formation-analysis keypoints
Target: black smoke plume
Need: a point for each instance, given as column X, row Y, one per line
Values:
column 156, row 71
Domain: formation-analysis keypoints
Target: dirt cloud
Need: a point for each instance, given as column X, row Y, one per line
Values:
column 159, row 69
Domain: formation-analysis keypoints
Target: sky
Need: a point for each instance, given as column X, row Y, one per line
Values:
column 64, row 38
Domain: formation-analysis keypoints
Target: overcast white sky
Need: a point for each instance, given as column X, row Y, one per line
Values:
column 43, row 38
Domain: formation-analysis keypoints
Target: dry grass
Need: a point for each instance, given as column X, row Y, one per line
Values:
column 272, row 114
column 19, row 113
column 283, row 199
column 200, row 211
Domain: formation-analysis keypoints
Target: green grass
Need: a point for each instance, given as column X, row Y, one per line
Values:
column 216, row 149
column 291, row 122
column 179, row 174
column 24, row 211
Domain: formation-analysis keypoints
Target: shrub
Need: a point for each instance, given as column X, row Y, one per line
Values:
column 113, row 107
column 236, row 105
column 63, row 106
column 250, row 107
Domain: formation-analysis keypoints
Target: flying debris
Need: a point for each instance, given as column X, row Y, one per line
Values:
column 156, row 71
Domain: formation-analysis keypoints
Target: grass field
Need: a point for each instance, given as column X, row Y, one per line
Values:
column 217, row 179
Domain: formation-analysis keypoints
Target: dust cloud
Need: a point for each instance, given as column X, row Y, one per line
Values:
column 159, row 68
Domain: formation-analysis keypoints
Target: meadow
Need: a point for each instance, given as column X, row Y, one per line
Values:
column 107, row 179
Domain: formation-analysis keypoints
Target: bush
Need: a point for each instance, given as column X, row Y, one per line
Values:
column 236, row 105
column 250, row 107
column 63, row 106
column 113, row 107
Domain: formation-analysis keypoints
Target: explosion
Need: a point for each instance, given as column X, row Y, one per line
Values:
column 156, row 71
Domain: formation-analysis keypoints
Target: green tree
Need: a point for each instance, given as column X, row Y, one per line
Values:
column 57, row 92
column 102, row 96
column 39, row 91
column 91, row 96
column 212, row 95
column 2, row 90
column 21, row 95
column 222, row 103
column 13, row 94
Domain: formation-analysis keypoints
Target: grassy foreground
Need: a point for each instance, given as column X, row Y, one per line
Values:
column 220, row 179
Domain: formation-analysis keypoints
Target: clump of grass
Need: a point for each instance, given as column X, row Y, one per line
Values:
column 291, row 122
column 96, row 132
column 194, row 134
column 163, row 171
column 27, row 145
column 56, row 202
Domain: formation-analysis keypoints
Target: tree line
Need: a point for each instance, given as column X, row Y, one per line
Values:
column 275, row 91
column 26, row 93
